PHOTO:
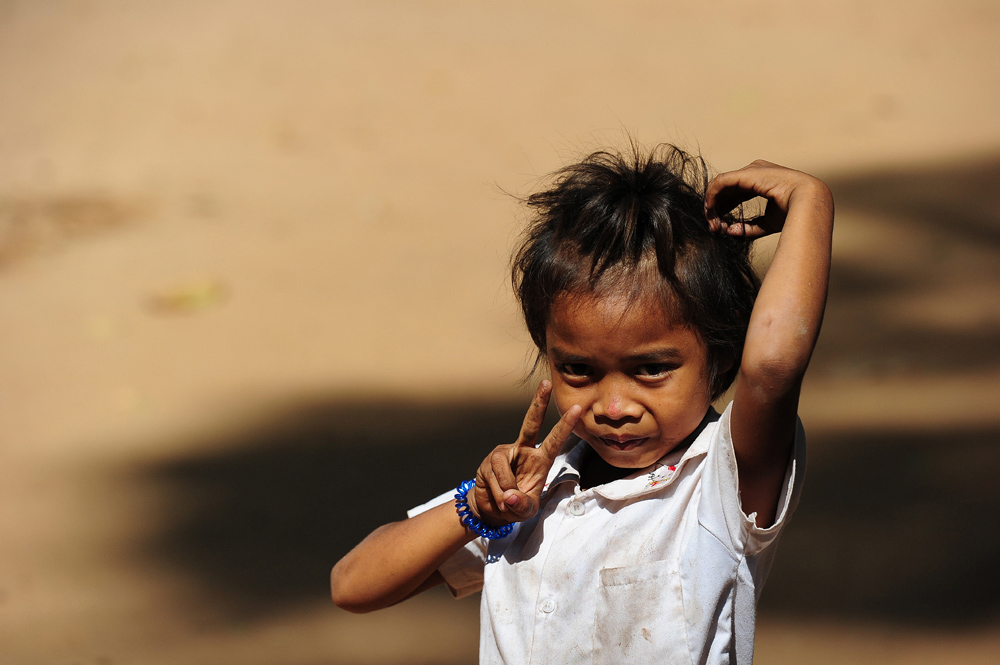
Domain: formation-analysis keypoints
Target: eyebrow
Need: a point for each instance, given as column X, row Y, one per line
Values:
column 666, row 353
column 564, row 356
column 656, row 355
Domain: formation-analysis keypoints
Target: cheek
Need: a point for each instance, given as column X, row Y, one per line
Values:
column 704, row 384
column 562, row 396
column 565, row 396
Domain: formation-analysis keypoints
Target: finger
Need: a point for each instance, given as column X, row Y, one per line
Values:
column 768, row 180
column 752, row 177
column 486, row 503
column 725, row 201
column 557, row 437
column 496, row 462
column 714, row 198
column 536, row 414
column 520, row 504
column 501, row 479
column 500, row 461
column 771, row 221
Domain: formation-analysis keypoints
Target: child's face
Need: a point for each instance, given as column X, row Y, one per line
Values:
column 640, row 375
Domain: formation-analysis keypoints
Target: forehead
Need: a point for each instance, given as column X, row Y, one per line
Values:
column 616, row 323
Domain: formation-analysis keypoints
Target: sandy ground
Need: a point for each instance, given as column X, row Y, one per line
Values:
column 252, row 302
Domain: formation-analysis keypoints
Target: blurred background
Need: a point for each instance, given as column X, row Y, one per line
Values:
column 253, row 303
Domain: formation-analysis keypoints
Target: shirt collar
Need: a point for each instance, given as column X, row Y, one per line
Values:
column 654, row 478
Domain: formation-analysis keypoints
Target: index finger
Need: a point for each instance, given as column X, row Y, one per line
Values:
column 770, row 181
column 536, row 414
column 557, row 437
column 727, row 191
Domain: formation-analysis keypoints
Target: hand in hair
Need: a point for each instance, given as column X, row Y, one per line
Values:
column 779, row 185
column 510, row 480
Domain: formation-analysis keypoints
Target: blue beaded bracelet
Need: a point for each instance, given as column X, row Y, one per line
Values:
column 472, row 522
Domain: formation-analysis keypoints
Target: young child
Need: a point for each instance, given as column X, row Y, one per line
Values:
column 644, row 524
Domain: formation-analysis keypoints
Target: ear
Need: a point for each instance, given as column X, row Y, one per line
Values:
column 722, row 368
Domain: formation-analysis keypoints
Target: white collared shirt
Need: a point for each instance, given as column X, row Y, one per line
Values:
column 661, row 566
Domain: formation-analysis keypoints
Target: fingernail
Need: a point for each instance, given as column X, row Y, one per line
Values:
column 511, row 500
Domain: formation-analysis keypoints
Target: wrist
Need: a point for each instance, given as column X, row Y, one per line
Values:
column 472, row 521
column 470, row 499
column 487, row 519
column 814, row 193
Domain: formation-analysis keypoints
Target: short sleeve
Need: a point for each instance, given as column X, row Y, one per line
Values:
column 720, row 510
column 463, row 570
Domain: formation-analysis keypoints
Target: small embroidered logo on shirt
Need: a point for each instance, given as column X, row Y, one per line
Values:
column 660, row 474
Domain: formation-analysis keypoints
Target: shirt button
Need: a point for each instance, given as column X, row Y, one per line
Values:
column 548, row 606
column 576, row 508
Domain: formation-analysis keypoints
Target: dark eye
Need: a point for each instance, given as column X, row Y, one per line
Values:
column 574, row 369
column 654, row 370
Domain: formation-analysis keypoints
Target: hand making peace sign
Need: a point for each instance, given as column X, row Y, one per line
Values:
column 509, row 482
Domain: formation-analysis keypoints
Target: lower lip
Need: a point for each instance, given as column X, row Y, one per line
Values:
column 624, row 446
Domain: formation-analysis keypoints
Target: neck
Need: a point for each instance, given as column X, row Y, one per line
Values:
column 595, row 471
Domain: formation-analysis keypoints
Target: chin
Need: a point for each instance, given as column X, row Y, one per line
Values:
column 627, row 459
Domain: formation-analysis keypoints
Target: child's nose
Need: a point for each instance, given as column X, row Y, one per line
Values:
column 615, row 404
column 615, row 408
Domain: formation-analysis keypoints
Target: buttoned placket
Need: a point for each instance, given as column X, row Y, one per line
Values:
column 565, row 510
column 568, row 511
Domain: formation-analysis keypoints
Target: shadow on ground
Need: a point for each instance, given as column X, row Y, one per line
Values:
column 259, row 525
column 897, row 526
column 893, row 525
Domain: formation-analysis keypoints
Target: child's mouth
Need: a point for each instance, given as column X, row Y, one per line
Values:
column 623, row 444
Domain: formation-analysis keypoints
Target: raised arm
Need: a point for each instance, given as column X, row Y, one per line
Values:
column 401, row 559
column 785, row 322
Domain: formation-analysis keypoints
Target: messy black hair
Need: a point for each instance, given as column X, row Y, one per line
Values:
column 637, row 219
